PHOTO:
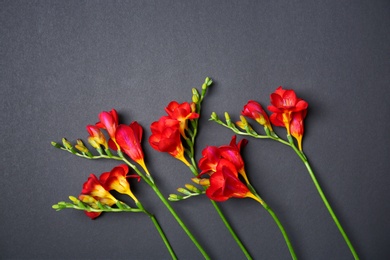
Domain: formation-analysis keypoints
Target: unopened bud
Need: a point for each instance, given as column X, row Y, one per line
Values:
column 193, row 107
column 228, row 120
column 192, row 188
column 174, row 197
column 93, row 143
column 56, row 145
column 214, row 116
column 67, row 144
column 81, row 147
column 184, row 191
column 195, row 96
column 74, row 199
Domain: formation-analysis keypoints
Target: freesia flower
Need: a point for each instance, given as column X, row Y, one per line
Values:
column 225, row 184
column 296, row 126
column 92, row 192
column 255, row 111
column 210, row 159
column 166, row 138
column 94, row 188
column 283, row 104
column 129, row 140
column 181, row 112
column 116, row 180
column 212, row 156
column 96, row 137
column 109, row 121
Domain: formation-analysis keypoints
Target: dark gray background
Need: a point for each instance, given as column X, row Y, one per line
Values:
column 63, row 62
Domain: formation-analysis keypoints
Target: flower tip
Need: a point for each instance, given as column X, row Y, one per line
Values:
column 56, row 145
column 214, row 116
column 208, row 81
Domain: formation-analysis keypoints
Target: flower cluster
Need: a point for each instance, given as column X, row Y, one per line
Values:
column 168, row 130
column 97, row 190
column 224, row 164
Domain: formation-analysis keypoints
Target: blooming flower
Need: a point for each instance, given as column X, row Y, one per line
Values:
column 212, row 157
column 181, row 112
column 116, row 180
column 129, row 140
column 209, row 161
column 225, row 184
column 109, row 121
column 93, row 188
column 96, row 137
column 255, row 111
column 283, row 104
column 166, row 138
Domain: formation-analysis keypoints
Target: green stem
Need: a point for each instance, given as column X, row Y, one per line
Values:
column 162, row 234
column 229, row 227
column 222, row 216
column 169, row 207
column 183, row 226
column 276, row 219
column 324, row 199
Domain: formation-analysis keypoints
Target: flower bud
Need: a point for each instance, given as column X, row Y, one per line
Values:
column 81, row 147
column 67, row 144
column 174, row 197
column 184, row 191
column 192, row 188
column 195, row 96
column 214, row 116
column 228, row 120
column 56, row 145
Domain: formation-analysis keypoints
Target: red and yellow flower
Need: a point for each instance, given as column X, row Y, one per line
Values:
column 129, row 138
column 116, row 180
column 181, row 112
column 94, row 189
column 109, row 121
column 96, row 137
column 289, row 112
column 212, row 156
column 166, row 138
column 284, row 103
column 255, row 111
column 225, row 184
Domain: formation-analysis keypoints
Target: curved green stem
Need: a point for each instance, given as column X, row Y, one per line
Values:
column 275, row 218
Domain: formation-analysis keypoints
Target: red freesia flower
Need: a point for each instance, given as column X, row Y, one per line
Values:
column 116, row 180
column 92, row 187
column 225, row 184
column 296, row 126
column 181, row 112
column 166, row 138
column 129, row 140
column 96, row 137
column 284, row 103
column 255, row 111
column 212, row 157
column 109, row 121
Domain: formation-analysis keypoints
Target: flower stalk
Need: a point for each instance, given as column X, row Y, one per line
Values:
column 289, row 111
